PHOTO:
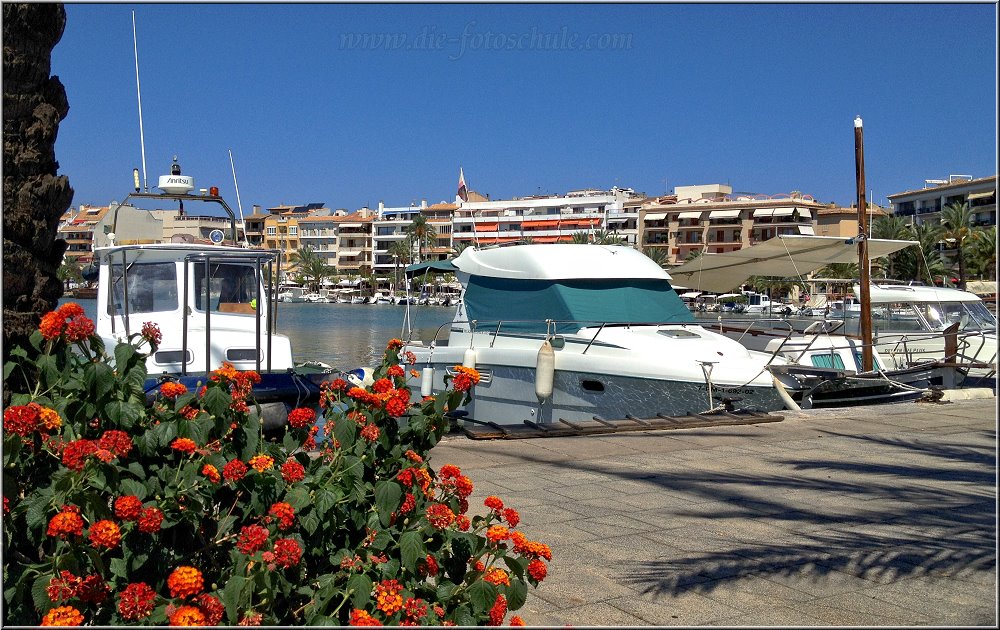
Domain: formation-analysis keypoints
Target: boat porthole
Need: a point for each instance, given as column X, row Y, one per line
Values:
column 592, row 386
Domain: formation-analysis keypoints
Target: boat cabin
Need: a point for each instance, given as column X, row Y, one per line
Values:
column 209, row 302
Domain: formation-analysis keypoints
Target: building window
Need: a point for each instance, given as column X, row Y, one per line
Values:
column 272, row 231
column 293, row 230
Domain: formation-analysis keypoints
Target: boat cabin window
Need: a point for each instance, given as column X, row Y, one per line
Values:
column 152, row 288
column 232, row 288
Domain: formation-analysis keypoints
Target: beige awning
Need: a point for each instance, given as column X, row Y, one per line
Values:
column 982, row 195
column 723, row 214
column 783, row 212
column 762, row 212
column 786, row 256
column 690, row 215
column 655, row 216
column 805, row 212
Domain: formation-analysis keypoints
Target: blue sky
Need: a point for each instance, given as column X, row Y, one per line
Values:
column 526, row 98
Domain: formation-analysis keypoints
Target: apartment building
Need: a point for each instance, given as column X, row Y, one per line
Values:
column 544, row 218
column 925, row 204
column 711, row 218
column 76, row 227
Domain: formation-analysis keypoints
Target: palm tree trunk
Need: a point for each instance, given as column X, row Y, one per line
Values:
column 34, row 197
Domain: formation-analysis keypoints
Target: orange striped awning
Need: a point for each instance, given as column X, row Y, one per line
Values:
column 487, row 227
column 539, row 224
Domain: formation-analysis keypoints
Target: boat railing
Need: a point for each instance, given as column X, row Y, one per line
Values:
column 495, row 327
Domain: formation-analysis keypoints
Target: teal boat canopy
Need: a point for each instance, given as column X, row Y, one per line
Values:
column 490, row 301
column 444, row 266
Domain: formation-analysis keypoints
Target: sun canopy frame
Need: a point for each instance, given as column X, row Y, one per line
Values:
column 786, row 256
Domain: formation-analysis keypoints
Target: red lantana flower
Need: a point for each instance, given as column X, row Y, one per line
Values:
column 301, row 417
column 150, row 519
column 292, row 471
column 234, row 470
column 128, row 507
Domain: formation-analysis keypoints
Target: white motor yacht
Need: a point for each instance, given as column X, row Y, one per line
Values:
column 622, row 341
column 908, row 322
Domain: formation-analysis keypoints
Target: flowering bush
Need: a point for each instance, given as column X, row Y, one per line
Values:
column 181, row 511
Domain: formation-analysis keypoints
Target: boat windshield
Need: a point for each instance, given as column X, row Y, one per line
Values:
column 524, row 305
column 232, row 288
column 152, row 288
column 934, row 316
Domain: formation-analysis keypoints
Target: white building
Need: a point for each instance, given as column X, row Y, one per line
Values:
column 925, row 204
column 546, row 218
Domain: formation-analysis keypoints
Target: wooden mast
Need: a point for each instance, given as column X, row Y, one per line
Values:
column 863, row 264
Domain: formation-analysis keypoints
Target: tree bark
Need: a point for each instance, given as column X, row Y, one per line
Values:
column 34, row 197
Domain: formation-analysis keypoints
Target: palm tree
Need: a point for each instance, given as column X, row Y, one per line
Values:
column 308, row 264
column 894, row 228
column 527, row 240
column 401, row 252
column 956, row 223
column 604, row 237
column 34, row 196
column 581, row 237
column 839, row 270
column 422, row 233
column 923, row 261
column 656, row 254
column 984, row 251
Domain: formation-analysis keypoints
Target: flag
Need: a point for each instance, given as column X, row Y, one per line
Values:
column 463, row 192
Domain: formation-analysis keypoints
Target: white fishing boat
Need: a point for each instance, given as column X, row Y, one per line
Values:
column 576, row 331
column 291, row 293
column 210, row 303
column 823, row 366
column 908, row 322
column 825, row 370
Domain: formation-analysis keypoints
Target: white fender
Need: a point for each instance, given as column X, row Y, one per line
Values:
column 427, row 381
column 469, row 360
column 545, row 370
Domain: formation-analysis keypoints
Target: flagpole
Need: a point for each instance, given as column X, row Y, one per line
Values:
column 863, row 263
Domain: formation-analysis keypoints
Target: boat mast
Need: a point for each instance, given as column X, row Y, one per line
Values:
column 238, row 202
column 863, row 264
column 138, row 94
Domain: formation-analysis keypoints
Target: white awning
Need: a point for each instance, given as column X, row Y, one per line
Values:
column 785, row 256
column 723, row 214
column 690, row 294
column 783, row 212
column 349, row 225
column 762, row 212
column 805, row 212
column 655, row 216
column 982, row 195
column 690, row 215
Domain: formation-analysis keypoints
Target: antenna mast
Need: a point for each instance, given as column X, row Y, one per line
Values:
column 238, row 202
column 142, row 140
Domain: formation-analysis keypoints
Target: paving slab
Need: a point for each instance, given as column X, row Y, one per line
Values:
column 869, row 516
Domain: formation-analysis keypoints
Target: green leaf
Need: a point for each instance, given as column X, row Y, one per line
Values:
column 298, row 498
column 99, row 378
column 482, row 595
column 387, row 495
column 236, row 596
column 199, row 430
column 119, row 568
column 325, row 501
column 444, row 590
column 39, row 595
column 132, row 487
column 411, row 547
column 361, row 585
column 123, row 413
column 517, row 594
column 310, row 522
column 124, row 353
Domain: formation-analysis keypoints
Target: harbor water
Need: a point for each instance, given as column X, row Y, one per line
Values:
column 345, row 336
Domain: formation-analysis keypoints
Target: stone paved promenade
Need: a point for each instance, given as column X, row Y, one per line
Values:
column 872, row 516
